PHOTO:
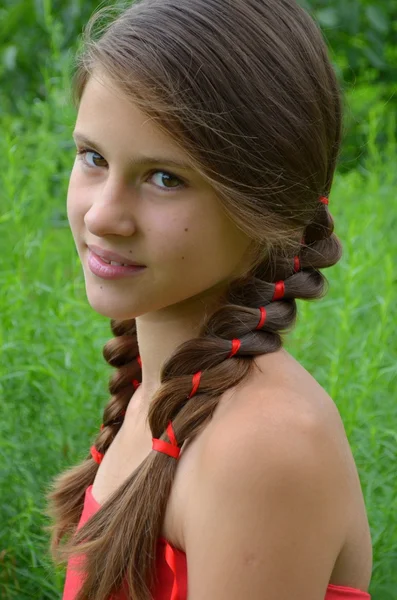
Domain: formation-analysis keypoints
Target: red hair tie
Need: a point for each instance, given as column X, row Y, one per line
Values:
column 96, row 455
column 263, row 317
column 196, row 382
column 297, row 264
column 235, row 347
column 170, row 448
column 135, row 382
column 279, row 290
column 324, row 200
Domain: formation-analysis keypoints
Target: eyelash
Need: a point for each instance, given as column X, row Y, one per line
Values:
column 81, row 154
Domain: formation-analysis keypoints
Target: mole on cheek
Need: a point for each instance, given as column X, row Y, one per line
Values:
column 186, row 229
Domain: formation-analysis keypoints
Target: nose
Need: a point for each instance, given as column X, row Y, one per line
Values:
column 112, row 211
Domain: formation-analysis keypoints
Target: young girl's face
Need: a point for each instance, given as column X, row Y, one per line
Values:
column 157, row 214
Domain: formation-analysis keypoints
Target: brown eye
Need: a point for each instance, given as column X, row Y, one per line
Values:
column 83, row 156
column 168, row 179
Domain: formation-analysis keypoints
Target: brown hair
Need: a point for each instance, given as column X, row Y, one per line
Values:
column 247, row 89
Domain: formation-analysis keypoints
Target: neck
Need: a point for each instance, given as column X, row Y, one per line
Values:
column 162, row 332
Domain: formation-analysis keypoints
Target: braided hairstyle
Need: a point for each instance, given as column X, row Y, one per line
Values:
column 247, row 89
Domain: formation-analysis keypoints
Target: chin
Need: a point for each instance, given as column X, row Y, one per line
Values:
column 112, row 313
column 109, row 306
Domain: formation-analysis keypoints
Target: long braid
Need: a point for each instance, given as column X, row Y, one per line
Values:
column 122, row 353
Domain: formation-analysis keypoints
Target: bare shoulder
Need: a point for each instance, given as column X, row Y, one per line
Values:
column 282, row 415
column 272, row 490
column 280, row 396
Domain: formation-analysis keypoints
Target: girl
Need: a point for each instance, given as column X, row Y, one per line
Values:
column 207, row 135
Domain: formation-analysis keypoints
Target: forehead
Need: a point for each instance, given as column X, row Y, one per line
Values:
column 108, row 115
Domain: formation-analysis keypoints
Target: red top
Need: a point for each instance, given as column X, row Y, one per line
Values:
column 172, row 570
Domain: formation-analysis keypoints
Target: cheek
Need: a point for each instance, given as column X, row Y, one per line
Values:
column 171, row 247
column 192, row 243
column 175, row 236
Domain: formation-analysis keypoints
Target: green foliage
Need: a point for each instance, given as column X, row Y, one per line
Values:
column 52, row 379
column 39, row 37
column 32, row 36
column 362, row 38
column 363, row 35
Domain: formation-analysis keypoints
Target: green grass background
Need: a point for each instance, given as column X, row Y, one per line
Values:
column 53, row 379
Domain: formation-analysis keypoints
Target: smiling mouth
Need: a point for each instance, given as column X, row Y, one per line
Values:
column 112, row 258
column 111, row 270
column 113, row 262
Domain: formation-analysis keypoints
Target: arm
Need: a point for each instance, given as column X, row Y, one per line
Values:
column 267, row 520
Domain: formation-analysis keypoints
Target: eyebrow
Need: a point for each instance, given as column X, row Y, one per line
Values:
column 138, row 160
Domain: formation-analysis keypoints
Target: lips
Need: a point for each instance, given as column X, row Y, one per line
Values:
column 110, row 255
